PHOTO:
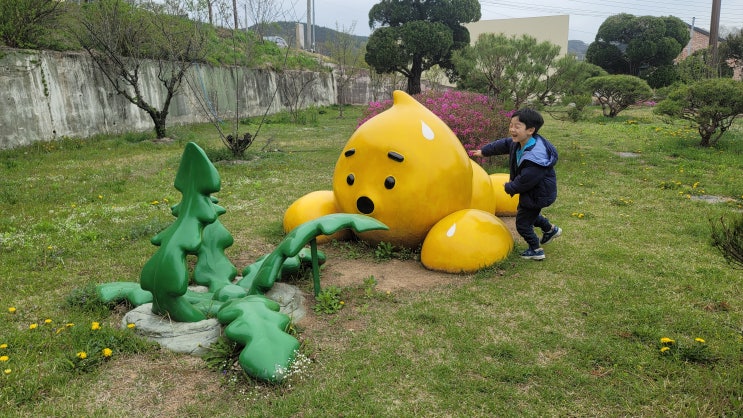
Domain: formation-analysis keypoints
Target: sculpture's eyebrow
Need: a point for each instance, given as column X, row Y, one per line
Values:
column 350, row 152
column 395, row 156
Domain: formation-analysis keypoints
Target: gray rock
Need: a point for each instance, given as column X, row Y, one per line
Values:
column 290, row 299
column 182, row 337
column 195, row 337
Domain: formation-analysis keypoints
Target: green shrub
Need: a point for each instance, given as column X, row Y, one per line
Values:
column 617, row 92
column 711, row 105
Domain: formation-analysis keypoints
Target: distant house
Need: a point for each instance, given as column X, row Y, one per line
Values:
column 700, row 40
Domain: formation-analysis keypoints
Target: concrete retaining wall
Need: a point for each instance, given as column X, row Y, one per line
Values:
column 45, row 95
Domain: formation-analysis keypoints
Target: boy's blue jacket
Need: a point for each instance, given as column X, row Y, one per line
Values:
column 534, row 179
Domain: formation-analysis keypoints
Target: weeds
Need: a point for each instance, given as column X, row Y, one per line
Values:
column 328, row 301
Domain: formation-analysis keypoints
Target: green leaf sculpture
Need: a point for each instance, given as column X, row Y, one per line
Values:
column 250, row 318
column 270, row 269
column 165, row 275
column 213, row 268
column 254, row 321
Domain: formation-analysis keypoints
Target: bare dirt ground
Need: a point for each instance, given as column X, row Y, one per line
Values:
column 140, row 386
column 392, row 275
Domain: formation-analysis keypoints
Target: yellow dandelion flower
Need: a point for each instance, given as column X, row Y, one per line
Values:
column 4, row 358
column 664, row 349
column 47, row 321
column 107, row 352
column 11, row 309
column 666, row 340
column 95, row 326
column 100, row 197
column 82, row 355
column 130, row 326
column 7, row 371
column 3, row 346
column 580, row 216
column 50, row 248
column 33, row 326
column 154, row 202
column 343, row 303
column 699, row 340
column 69, row 324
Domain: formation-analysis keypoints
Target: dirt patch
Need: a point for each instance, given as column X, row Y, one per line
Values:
column 141, row 386
column 391, row 275
column 167, row 383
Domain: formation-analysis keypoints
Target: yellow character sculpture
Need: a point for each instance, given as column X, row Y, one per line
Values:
column 407, row 169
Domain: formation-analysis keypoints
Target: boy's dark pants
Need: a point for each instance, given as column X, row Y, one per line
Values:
column 526, row 220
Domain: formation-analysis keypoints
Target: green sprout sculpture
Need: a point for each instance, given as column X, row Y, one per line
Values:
column 250, row 318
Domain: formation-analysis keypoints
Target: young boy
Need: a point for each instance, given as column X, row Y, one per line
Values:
column 532, row 162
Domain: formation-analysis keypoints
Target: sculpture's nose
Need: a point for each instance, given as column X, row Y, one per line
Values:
column 365, row 205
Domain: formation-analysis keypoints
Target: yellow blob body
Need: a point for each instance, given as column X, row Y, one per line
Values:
column 466, row 241
column 312, row 206
column 505, row 204
column 407, row 169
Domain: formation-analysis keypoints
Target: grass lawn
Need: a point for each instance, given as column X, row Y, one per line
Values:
column 578, row 334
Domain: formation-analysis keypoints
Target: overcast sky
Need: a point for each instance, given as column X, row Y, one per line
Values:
column 585, row 15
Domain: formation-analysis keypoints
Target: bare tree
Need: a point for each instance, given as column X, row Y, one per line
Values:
column 348, row 61
column 262, row 13
column 122, row 40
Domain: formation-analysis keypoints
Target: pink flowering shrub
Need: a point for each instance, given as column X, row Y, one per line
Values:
column 475, row 118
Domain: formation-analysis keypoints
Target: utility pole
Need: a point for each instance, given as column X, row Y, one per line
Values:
column 714, row 31
column 313, row 26
column 234, row 12
column 308, row 30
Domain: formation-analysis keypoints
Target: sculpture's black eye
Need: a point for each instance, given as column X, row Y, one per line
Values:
column 389, row 182
column 350, row 179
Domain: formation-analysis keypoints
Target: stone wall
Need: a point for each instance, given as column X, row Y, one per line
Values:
column 47, row 95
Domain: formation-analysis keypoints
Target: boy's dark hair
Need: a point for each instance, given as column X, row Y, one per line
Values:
column 530, row 118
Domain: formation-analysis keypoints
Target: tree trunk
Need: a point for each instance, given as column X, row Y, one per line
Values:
column 158, row 118
column 414, row 79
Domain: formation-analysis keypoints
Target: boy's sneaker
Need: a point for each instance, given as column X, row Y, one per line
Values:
column 549, row 236
column 530, row 254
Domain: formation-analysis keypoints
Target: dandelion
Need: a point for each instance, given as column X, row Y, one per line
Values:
column 699, row 340
column 3, row 346
column 69, row 325
column 666, row 340
column 107, row 352
column 7, row 371
column 95, row 326
column 130, row 326
column 11, row 309
column 100, row 197
column 664, row 349
column 48, row 321
column 33, row 326
column 4, row 358
column 82, row 355
column 154, row 202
